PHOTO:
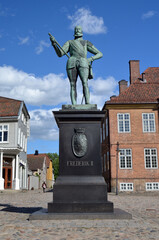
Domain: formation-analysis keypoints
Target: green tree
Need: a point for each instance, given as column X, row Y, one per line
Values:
column 55, row 163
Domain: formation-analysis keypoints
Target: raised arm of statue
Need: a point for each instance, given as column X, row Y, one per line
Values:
column 60, row 51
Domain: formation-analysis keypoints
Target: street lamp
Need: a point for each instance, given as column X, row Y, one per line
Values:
column 117, row 151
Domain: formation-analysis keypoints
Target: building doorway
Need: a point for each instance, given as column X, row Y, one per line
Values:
column 7, row 173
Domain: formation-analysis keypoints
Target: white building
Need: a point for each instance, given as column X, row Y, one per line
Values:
column 14, row 130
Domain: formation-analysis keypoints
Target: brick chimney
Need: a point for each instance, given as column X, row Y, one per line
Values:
column 36, row 152
column 134, row 68
column 123, row 84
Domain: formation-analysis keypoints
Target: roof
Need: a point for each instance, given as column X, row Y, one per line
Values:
column 36, row 161
column 140, row 91
column 9, row 107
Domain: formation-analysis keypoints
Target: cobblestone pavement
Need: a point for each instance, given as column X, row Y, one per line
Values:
column 15, row 208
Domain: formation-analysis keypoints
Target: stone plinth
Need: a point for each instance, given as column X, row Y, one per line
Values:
column 80, row 187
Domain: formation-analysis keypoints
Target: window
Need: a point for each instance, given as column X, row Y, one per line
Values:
column 151, row 158
column 126, row 186
column 123, row 122
column 125, row 158
column 153, row 186
column 4, row 133
column 148, row 122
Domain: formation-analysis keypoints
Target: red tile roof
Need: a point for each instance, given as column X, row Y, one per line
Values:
column 139, row 91
column 36, row 161
column 9, row 107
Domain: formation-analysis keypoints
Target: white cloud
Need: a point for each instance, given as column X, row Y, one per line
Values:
column 51, row 89
column 23, row 41
column 102, row 89
column 39, row 49
column 90, row 24
column 149, row 14
column 42, row 122
column 42, row 125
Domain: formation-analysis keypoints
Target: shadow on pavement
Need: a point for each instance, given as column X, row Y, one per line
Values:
column 49, row 190
column 10, row 208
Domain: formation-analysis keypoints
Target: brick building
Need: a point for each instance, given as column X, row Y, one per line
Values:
column 130, row 133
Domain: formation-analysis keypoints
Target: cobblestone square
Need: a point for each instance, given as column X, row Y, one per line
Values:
column 15, row 208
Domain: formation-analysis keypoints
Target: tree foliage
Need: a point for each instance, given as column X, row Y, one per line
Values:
column 55, row 163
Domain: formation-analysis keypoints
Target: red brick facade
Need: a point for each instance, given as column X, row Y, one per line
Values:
column 139, row 165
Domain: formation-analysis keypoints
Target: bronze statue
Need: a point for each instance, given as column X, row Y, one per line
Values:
column 77, row 64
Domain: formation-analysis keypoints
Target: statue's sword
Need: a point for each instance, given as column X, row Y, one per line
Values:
column 59, row 46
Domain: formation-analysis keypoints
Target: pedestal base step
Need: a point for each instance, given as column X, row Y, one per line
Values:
column 44, row 215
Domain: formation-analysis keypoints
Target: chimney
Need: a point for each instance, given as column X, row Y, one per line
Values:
column 134, row 70
column 36, row 152
column 143, row 77
column 123, row 84
column 112, row 97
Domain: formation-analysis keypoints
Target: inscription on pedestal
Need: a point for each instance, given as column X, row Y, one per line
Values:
column 80, row 163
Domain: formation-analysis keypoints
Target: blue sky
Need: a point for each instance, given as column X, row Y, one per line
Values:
column 31, row 71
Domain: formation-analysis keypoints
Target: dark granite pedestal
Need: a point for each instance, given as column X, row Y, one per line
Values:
column 80, row 188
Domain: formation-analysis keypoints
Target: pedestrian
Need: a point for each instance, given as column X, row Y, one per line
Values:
column 44, row 186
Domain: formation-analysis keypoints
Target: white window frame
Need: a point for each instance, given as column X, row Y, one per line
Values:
column 22, row 117
column 151, row 186
column 124, row 120
column 125, row 156
column 21, row 140
column 126, row 187
column 26, row 144
column 3, row 130
column 143, row 122
column 150, row 158
column 19, row 136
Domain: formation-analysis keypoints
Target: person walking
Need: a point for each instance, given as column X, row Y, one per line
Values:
column 44, row 187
